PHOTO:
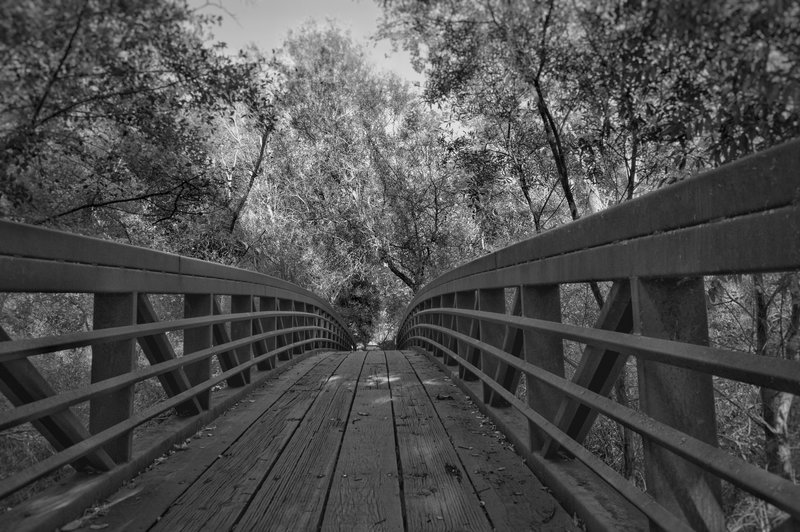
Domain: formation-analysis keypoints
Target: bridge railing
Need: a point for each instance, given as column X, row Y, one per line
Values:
column 269, row 322
column 500, row 317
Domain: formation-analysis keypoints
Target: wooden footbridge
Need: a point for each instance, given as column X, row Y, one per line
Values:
column 273, row 422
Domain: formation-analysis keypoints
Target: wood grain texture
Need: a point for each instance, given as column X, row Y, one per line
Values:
column 436, row 488
column 159, row 487
column 680, row 398
column 514, row 498
column 579, row 488
column 217, row 498
column 365, row 494
column 293, row 494
column 110, row 360
column 71, row 497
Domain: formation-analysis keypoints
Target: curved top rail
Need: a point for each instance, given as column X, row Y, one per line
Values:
column 742, row 217
column 36, row 259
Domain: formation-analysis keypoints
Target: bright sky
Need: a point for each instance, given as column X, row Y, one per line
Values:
column 266, row 23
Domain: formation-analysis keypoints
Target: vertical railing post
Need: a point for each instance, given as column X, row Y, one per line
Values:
column 259, row 328
column 423, row 331
column 267, row 304
column 675, row 309
column 111, row 359
column 196, row 339
column 448, row 322
column 241, row 330
column 466, row 300
column 324, row 333
column 411, row 330
column 436, row 319
column 491, row 300
column 304, row 323
column 543, row 350
column 284, row 323
column 294, row 337
column 317, row 332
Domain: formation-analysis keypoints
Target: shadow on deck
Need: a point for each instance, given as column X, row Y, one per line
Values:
column 350, row 441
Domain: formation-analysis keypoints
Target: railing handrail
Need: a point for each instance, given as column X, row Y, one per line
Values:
column 671, row 212
column 23, row 241
column 741, row 218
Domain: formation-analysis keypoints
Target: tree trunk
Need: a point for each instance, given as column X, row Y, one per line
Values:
column 237, row 211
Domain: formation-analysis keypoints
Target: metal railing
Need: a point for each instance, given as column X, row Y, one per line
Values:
column 500, row 317
column 269, row 322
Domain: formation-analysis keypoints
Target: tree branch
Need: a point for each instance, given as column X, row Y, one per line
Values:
column 55, row 73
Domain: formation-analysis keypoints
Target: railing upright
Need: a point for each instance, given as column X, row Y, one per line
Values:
column 675, row 309
column 109, row 360
column 545, row 351
column 465, row 300
column 198, row 339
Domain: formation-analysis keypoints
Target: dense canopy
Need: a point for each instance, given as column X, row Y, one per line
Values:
column 126, row 121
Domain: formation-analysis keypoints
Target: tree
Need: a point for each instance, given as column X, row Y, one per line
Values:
column 107, row 124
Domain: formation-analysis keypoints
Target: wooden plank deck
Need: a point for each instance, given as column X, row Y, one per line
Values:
column 345, row 441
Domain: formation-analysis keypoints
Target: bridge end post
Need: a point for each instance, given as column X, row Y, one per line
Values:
column 111, row 359
column 543, row 350
column 675, row 309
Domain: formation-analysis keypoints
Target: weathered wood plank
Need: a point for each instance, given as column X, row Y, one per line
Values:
column 580, row 490
column 138, row 505
column 436, row 488
column 217, row 498
column 513, row 497
column 293, row 494
column 365, row 494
